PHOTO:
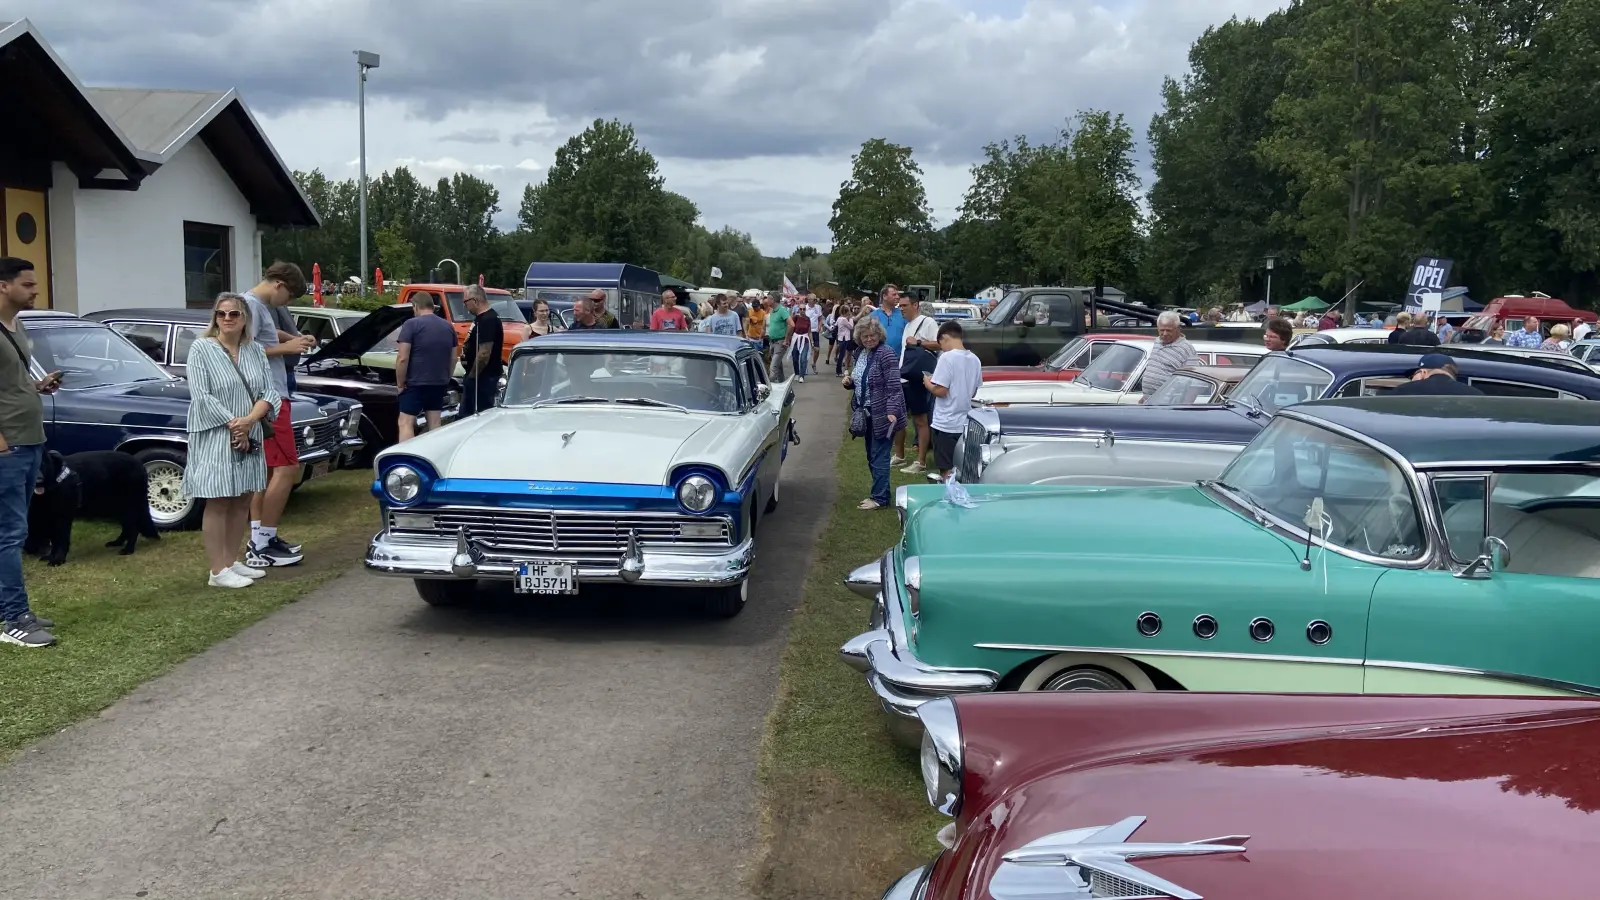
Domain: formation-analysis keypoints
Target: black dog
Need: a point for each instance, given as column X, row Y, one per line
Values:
column 99, row 484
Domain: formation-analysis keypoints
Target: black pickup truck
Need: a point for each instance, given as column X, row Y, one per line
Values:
column 1029, row 324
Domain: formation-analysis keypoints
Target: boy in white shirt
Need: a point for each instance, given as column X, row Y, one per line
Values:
column 955, row 379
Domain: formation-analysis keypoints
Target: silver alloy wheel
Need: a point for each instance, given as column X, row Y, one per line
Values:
column 1084, row 679
column 168, row 505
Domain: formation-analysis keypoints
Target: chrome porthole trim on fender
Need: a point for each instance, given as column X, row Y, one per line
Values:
column 1205, row 627
column 1319, row 632
column 1262, row 630
column 1148, row 624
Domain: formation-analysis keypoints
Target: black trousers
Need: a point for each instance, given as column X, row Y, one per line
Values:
column 477, row 395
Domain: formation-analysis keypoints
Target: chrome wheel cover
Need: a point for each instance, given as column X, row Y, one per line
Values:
column 1083, row 680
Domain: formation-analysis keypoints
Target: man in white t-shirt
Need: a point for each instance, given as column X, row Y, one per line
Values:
column 921, row 331
column 954, row 382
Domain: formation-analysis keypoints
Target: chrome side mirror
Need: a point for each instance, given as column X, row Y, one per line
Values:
column 1494, row 556
column 763, row 391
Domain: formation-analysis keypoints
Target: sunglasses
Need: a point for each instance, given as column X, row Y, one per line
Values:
column 229, row 314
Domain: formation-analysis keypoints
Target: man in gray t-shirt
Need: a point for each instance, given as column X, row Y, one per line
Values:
column 285, row 323
column 281, row 283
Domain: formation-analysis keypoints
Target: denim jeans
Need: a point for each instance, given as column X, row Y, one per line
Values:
column 799, row 353
column 842, row 359
column 18, row 468
column 878, row 463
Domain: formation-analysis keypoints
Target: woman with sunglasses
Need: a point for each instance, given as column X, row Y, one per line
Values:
column 230, row 395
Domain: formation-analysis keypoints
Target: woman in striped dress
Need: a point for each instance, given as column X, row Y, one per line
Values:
column 230, row 394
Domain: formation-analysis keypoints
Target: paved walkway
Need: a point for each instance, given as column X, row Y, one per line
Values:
column 359, row 744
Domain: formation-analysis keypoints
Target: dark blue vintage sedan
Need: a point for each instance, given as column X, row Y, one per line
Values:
column 1017, row 445
column 113, row 397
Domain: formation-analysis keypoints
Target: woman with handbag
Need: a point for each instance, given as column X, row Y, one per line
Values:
column 231, row 400
column 878, row 405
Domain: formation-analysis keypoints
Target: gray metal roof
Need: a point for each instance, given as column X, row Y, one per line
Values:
column 158, row 122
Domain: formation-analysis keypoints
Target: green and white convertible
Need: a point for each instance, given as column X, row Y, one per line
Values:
column 1443, row 545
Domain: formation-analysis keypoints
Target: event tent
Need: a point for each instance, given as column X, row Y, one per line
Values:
column 1307, row 304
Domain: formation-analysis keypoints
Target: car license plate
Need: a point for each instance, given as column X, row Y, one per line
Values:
column 319, row 469
column 546, row 578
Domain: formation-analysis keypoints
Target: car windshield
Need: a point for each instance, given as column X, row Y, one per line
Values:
column 503, row 305
column 1293, row 468
column 642, row 378
column 1002, row 311
column 1112, row 369
column 1059, row 359
column 1279, row 381
column 1183, row 389
column 90, row 356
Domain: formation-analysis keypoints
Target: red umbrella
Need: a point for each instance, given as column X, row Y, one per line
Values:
column 378, row 281
column 316, row 283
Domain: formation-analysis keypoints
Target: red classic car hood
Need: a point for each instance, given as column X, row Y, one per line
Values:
column 1342, row 797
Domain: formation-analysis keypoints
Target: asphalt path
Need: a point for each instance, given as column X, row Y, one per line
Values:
column 360, row 744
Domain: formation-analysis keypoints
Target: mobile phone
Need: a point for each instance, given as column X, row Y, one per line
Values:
column 53, row 377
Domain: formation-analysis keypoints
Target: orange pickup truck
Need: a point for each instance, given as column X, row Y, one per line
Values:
column 447, row 301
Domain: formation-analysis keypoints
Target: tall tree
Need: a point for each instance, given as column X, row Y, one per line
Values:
column 466, row 209
column 881, row 218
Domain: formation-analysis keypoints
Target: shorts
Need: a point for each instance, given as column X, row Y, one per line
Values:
column 280, row 448
column 918, row 401
column 944, row 449
column 417, row 399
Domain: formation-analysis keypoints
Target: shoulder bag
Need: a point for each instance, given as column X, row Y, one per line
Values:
column 266, row 425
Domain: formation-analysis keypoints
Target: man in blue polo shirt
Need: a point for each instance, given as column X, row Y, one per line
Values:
column 888, row 315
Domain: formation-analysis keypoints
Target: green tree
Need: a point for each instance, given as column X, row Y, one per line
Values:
column 396, row 255
column 881, row 219
column 1358, row 135
column 465, row 223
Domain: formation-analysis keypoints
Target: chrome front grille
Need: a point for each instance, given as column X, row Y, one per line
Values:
column 325, row 436
column 566, row 534
column 970, row 466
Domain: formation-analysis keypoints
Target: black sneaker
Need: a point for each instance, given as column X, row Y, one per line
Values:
column 275, row 553
column 27, row 631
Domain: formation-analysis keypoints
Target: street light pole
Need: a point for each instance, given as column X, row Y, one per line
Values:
column 364, row 61
column 453, row 263
column 1270, row 262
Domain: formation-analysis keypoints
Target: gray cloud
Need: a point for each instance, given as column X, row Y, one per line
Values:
column 703, row 81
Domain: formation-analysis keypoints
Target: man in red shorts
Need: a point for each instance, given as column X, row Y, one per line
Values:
column 281, row 283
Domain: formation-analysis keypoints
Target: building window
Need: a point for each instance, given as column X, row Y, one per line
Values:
column 207, row 270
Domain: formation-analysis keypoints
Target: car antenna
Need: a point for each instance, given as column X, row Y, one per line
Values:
column 1313, row 520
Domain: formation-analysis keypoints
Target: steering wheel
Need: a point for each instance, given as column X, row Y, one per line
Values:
column 713, row 397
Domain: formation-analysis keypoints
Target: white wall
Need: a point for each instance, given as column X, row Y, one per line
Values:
column 127, row 246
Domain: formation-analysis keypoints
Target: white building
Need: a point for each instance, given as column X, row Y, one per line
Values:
column 129, row 197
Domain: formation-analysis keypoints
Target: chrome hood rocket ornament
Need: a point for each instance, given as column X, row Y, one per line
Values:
column 567, row 439
column 1096, row 862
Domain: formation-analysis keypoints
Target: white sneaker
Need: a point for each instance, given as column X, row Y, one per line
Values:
column 896, row 460
column 228, row 578
column 240, row 568
column 915, row 468
column 801, row 379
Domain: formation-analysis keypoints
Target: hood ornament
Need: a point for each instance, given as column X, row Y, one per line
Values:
column 1096, row 862
column 567, row 439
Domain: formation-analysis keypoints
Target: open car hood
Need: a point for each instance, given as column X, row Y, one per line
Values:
column 363, row 335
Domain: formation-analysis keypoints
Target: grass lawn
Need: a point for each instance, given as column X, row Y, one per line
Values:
column 122, row 620
column 844, row 806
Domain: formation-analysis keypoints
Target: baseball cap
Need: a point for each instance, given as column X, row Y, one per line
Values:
column 1435, row 361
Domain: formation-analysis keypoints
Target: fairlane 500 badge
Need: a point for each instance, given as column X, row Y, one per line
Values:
column 550, row 488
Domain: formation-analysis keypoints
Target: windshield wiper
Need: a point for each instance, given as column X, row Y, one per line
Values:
column 646, row 401
column 1258, row 511
column 560, row 400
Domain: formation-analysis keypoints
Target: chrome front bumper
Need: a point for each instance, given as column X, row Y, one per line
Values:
column 900, row 680
column 912, row 886
column 413, row 556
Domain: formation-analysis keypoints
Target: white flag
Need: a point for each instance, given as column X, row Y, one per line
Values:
column 716, row 272
column 788, row 288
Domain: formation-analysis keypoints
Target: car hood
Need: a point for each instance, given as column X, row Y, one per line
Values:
column 1332, row 811
column 608, row 444
column 1218, row 423
column 363, row 335
column 1126, row 522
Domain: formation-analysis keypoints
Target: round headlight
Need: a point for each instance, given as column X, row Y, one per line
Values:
column 402, row 484
column 308, row 435
column 697, row 493
column 941, row 755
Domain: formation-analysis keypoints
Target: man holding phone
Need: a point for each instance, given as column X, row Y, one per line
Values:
column 21, row 449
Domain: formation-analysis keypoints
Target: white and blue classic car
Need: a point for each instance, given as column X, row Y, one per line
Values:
column 616, row 456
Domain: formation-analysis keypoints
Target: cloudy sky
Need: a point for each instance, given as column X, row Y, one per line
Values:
column 753, row 107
